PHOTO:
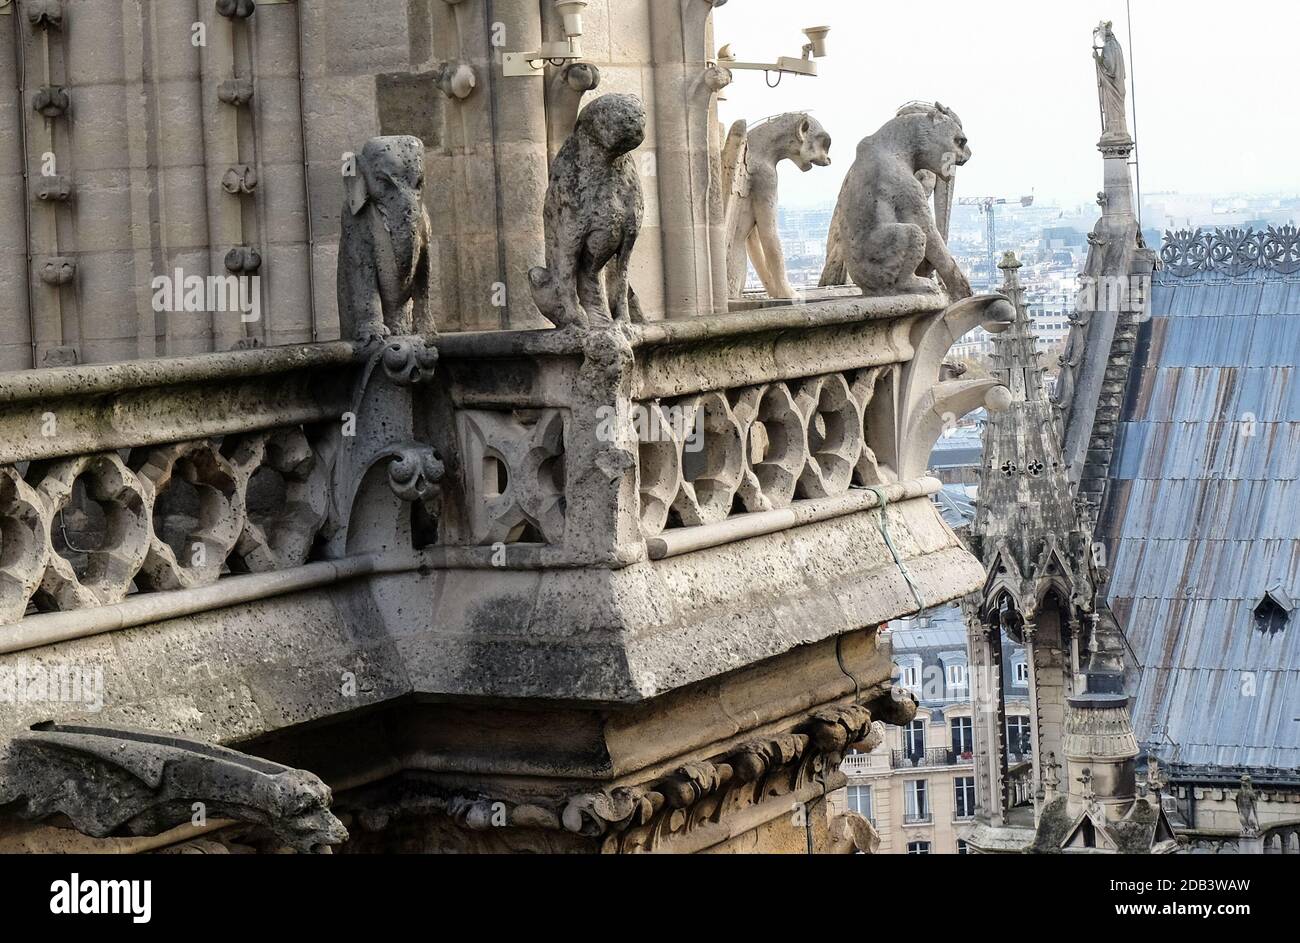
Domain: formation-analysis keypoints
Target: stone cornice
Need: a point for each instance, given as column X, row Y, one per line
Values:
column 793, row 767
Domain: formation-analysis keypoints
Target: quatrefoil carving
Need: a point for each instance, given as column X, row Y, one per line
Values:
column 776, row 446
column 516, row 474
column 834, row 427
column 278, row 529
column 711, row 475
column 110, row 566
column 206, row 538
column 24, row 546
column 762, row 447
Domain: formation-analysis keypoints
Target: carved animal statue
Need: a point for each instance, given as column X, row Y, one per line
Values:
column 383, row 268
column 750, row 159
column 592, row 216
column 883, row 234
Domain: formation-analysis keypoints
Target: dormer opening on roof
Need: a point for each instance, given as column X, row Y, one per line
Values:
column 1274, row 611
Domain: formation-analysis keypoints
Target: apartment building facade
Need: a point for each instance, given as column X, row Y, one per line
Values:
column 918, row 787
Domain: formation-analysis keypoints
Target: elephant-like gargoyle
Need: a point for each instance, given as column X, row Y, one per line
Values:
column 383, row 268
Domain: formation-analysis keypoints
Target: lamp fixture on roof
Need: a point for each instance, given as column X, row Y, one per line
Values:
column 556, row 53
column 814, row 49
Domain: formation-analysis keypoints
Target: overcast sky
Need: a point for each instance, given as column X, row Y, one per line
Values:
column 1216, row 87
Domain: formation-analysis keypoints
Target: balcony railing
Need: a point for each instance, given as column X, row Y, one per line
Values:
column 863, row 763
column 1020, row 784
column 918, row 818
column 931, row 756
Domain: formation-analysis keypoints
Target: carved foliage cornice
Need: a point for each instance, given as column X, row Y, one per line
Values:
column 1231, row 251
column 645, row 817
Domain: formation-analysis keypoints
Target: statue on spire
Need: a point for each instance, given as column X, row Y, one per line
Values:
column 1111, row 79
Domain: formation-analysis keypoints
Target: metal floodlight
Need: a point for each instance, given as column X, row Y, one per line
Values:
column 571, row 10
column 815, row 48
column 558, row 53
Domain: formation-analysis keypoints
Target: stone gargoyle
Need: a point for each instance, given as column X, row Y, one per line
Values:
column 749, row 160
column 383, row 267
column 592, row 217
column 133, row 782
column 883, row 234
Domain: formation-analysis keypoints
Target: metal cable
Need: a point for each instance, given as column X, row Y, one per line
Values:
column 884, row 532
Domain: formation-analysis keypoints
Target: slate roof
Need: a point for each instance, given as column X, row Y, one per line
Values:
column 1203, row 518
column 957, row 509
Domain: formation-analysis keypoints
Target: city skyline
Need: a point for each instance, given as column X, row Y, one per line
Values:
column 1043, row 85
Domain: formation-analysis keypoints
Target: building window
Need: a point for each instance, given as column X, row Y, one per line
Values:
column 963, row 788
column 918, row 848
column 956, row 676
column 860, row 801
column 963, row 740
column 1020, row 671
column 914, row 739
column 962, row 847
column 911, row 676
column 916, row 801
column 1018, row 740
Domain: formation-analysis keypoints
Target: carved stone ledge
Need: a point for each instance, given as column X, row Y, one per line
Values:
column 127, row 782
column 45, row 14
column 695, row 797
column 59, row 270
column 55, row 188
column 236, row 92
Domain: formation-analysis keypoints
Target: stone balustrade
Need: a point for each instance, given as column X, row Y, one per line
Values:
column 611, row 515
column 137, row 478
column 700, row 432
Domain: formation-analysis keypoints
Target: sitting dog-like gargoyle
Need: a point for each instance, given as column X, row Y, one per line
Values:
column 383, row 268
column 883, row 235
column 591, row 218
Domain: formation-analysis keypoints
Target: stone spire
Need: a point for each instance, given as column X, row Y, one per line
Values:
column 1024, row 495
column 1014, row 350
column 1112, row 297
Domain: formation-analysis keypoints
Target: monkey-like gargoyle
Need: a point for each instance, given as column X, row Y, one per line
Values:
column 383, row 268
column 749, row 172
column 883, row 230
column 592, row 216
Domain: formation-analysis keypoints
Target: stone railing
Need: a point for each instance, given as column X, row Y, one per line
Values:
column 705, row 431
column 138, row 493
column 125, row 481
column 1231, row 251
column 720, row 451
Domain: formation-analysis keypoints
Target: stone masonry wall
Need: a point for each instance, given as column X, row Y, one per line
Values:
column 148, row 137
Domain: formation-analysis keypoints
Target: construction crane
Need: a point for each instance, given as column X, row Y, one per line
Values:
column 986, row 205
